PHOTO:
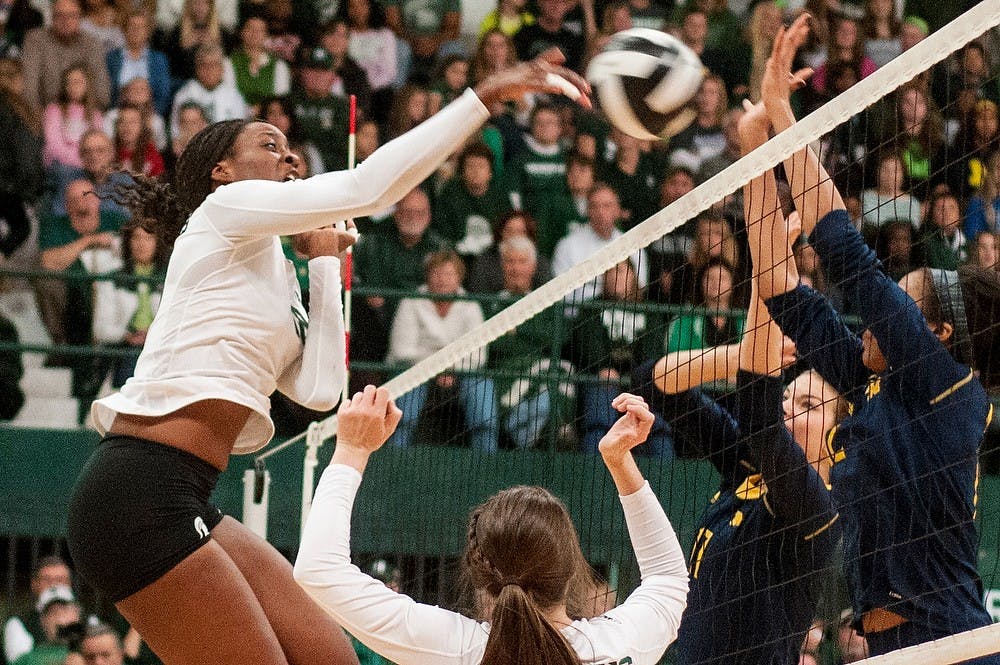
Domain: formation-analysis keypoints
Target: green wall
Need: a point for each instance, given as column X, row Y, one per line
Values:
column 412, row 501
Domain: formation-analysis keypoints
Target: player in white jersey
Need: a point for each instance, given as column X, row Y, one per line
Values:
column 231, row 329
column 522, row 556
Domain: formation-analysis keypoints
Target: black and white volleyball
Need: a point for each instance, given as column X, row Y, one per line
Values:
column 643, row 80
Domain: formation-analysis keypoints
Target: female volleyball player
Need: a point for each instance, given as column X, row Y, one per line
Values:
column 231, row 329
column 768, row 535
column 906, row 458
column 522, row 553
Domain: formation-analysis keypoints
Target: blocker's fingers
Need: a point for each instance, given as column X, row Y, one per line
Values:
column 747, row 105
column 563, row 86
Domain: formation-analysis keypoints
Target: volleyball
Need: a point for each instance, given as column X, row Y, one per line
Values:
column 643, row 80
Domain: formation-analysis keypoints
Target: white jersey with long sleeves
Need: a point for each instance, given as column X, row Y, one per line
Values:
column 231, row 324
column 404, row 631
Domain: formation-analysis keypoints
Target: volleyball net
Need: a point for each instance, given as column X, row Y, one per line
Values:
column 524, row 397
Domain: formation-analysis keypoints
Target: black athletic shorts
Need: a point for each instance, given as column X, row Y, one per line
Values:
column 139, row 508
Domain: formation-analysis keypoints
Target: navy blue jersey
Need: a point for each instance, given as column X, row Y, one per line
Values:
column 766, row 536
column 905, row 470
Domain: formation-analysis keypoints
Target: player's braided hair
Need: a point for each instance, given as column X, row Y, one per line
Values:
column 162, row 205
column 523, row 551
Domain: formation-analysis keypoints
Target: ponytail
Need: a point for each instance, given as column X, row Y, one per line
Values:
column 521, row 635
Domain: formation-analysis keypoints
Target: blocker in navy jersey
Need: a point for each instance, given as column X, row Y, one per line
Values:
column 643, row 80
column 760, row 547
column 905, row 477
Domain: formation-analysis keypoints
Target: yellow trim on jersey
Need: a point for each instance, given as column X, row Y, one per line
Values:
column 954, row 388
column 822, row 528
column 874, row 387
column 737, row 519
column 989, row 418
column 752, row 488
column 835, row 455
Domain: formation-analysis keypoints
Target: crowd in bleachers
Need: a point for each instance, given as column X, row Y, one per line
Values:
column 95, row 90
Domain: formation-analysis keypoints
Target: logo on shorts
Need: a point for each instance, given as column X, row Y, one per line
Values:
column 199, row 526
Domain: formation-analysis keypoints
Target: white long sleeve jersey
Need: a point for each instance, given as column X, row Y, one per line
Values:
column 404, row 631
column 231, row 324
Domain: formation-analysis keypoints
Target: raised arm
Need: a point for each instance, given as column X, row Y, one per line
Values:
column 390, row 623
column 257, row 208
column 813, row 190
column 654, row 609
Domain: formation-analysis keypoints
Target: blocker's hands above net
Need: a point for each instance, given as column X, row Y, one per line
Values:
column 779, row 79
column 630, row 430
column 543, row 74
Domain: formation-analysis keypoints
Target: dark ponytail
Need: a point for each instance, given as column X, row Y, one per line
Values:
column 162, row 205
column 524, row 554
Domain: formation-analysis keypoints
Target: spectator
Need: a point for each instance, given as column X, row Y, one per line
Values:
column 23, row 630
column 423, row 326
column 494, row 53
column 97, row 155
column 550, row 30
column 845, row 45
column 977, row 140
column 984, row 208
column 897, row 248
column 22, row 177
column 715, row 328
column 486, row 275
column 470, row 204
column 410, row 107
column 289, row 30
column 509, row 17
column 538, row 172
column 321, row 114
column 918, row 134
column 19, row 17
column 350, row 78
column 603, row 213
column 723, row 25
column 431, row 29
column 617, row 16
column 134, row 146
column 102, row 20
column 450, row 80
column 913, row 31
column 373, row 46
column 84, row 242
column 986, row 250
column 171, row 13
column 704, row 137
column 633, row 175
column 257, row 73
column 944, row 242
column 394, row 259
column 881, row 28
column 198, row 26
column 889, row 200
column 137, row 60
column 610, row 342
column 124, row 306
column 280, row 112
column 566, row 208
column 58, row 612
column 11, row 371
column 209, row 89
column 101, row 645
column 191, row 119
column 732, row 63
column 138, row 93
column 47, row 51
column 678, row 181
column 528, row 404
column 68, row 118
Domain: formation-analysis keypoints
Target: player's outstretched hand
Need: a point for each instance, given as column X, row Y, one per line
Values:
column 366, row 421
column 629, row 431
column 779, row 80
column 543, row 74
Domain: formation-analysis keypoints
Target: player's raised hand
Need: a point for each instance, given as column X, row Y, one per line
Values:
column 779, row 80
column 366, row 421
column 630, row 430
column 543, row 74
